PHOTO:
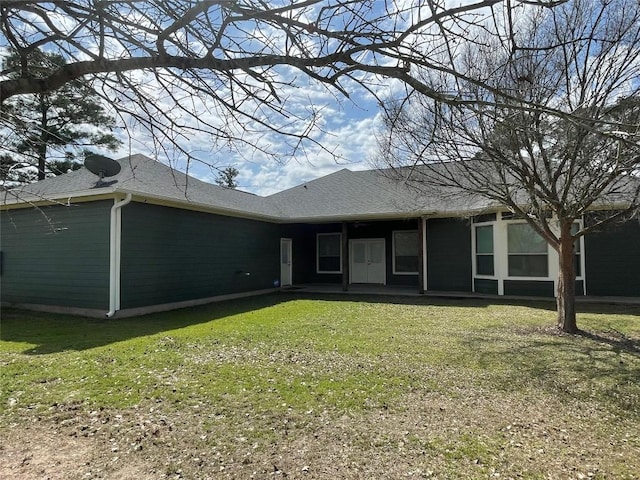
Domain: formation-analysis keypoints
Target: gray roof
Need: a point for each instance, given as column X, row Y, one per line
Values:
column 342, row 195
column 368, row 193
column 145, row 177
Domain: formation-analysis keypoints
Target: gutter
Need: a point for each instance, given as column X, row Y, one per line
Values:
column 115, row 243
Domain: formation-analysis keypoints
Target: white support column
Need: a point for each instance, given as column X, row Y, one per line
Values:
column 425, row 281
column 500, row 251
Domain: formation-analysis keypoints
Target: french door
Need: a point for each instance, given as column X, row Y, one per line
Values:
column 368, row 263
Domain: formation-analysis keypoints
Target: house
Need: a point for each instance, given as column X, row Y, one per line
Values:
column 151, row 238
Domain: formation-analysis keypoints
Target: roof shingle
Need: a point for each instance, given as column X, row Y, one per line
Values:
column 342, row 195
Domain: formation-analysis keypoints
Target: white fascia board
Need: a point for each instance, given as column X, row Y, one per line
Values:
column 368, row 217
column 165, row 201
column 29, row 200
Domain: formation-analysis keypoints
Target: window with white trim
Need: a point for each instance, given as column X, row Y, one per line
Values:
column 577, row 251
column 406, row 250
column 528, row 254
column 484, row 250
column 329, row 258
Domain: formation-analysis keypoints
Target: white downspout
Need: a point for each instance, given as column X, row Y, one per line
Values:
column 115, row 240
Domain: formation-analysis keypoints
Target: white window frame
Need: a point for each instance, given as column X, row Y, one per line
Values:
column 393, row 251
column 501, row 255
column 339, row 235
column 582, row 257
column 552, row 257
column 549, row 275
column 494, row 230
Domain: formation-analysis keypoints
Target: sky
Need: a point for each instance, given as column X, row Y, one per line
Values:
column 347, row 137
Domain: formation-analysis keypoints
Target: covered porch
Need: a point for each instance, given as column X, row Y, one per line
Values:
column 392, row 256
column 408, row 291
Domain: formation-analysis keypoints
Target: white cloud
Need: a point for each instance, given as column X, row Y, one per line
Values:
column 351, row 143
column 342, row 136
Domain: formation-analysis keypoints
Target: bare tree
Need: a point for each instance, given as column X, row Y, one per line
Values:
column 546, row 123
column 228, row 67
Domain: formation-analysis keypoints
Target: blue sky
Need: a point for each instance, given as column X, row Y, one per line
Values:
column 344, row 137
column 347, row 136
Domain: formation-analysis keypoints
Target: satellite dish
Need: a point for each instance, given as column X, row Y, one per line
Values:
column 102, row 166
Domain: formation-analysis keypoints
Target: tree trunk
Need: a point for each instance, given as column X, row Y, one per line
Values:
column 566, row 294
column 44, row 138
column 42, row 159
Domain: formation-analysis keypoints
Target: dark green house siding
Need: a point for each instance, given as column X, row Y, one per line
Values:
column 303, row 247
column 612, row 261
column 485, row 285
column 56, row 255
column 171, row 255
column 529, row 288
column 448, row 255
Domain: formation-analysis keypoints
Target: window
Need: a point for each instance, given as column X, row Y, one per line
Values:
column 528, row 255
column 406, row 248
column 576, row 248
column 484, row 250
column 329, row 253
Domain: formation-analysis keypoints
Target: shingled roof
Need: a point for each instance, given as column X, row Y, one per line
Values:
column 364, row 194
column 144, row 177
column 342, row 195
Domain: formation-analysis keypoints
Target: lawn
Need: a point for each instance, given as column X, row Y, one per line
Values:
column 322, row 388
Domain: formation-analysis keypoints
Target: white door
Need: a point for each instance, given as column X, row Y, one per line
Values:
column 368, row 261
column 285, row 262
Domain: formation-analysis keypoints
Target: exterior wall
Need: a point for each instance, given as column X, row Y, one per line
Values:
column 448, row 255
column 529, row 288
column 56, row 255
column 613, row 261
column 304, row 238
column 484, row 285
column 304, row 252
column 609, row 263
column 172, row 255
column 385, row 230
column 502, row 282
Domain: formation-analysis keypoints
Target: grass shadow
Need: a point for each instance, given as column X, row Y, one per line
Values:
column 53, row 333
column 618, row 341
column 431, row 299
column 602, row 367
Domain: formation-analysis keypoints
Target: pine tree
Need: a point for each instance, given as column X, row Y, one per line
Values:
column 52, row 130
column 227, row 177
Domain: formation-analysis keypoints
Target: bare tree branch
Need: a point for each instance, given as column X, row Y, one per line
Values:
column 545, row 122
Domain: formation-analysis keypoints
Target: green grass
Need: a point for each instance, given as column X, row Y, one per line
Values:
column 331, row 387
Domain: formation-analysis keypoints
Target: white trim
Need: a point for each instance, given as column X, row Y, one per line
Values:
column 583, row 256
column 284, row 240
column 501, row 256
column 393, row 252
column 115, row 253
column 318, row 235
column 424, row 253
column 551, row 274
column 475, row 253
column 474, row 263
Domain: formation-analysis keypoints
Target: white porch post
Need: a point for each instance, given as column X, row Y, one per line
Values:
column 423, row 229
